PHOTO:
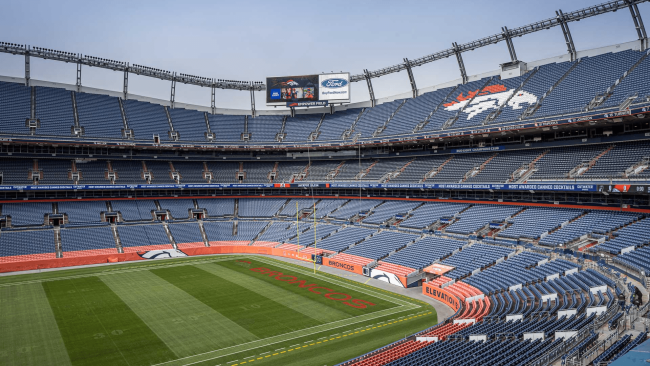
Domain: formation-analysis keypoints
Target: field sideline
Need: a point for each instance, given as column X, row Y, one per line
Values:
column 219, row 310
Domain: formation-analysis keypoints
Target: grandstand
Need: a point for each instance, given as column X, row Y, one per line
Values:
column 518, row 199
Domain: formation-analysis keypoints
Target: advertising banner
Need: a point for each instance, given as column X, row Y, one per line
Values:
column 291, row 254
column 355, row 268
column 217, row 248
column 615, row 188
column 443, row 186
column 318, row 103
column 334, row 87
column 441, row 295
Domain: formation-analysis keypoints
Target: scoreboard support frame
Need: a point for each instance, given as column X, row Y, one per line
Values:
column 366, row 74
column 461, row 64
column 252, row 100
column 409, row 71
column 571, row 48
column 511, row 46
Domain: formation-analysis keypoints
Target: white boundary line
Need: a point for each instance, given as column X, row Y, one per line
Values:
column 141, row 267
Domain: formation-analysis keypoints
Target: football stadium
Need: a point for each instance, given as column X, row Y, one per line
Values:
column 498, row 218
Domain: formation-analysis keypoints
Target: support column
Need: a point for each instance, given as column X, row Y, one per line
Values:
column 173, row 94
column 461, row 64
column 571, row 48
column 78, row 76
column 252, row 101
column 27, row 68
column 638, row 24
column 366, row 73
column 125, row 88
column 414, row 88
column 511, row 46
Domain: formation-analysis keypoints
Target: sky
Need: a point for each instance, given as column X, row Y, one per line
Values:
column 251, row 40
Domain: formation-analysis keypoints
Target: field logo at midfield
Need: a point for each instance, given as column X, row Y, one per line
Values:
column 327, row 292
column 160, row 254
column 490, row 97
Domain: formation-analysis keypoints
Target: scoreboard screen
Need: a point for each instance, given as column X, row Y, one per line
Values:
column 308, row 90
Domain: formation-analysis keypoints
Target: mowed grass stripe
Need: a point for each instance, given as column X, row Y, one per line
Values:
column 321, row 285
column 228, row 354
column 301, row 304
column 98, row 328
column 256, row 313
column 184, row 323
column 29, row 333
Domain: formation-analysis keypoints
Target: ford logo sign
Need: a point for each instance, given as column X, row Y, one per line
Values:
column 334, row 83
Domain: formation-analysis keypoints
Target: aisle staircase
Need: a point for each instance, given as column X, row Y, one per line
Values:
column 116, row 236
column 526, row 171
column 331, row 175
column 478, row 169
column 203, row 234
column 431, row 173
column 365, row 172
column 394, row 174
column 585, row 166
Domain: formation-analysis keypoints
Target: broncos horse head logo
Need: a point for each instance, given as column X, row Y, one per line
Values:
column 159, row 254
column 490, row 97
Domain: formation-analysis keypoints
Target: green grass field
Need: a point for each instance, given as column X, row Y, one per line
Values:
column 219, row 310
